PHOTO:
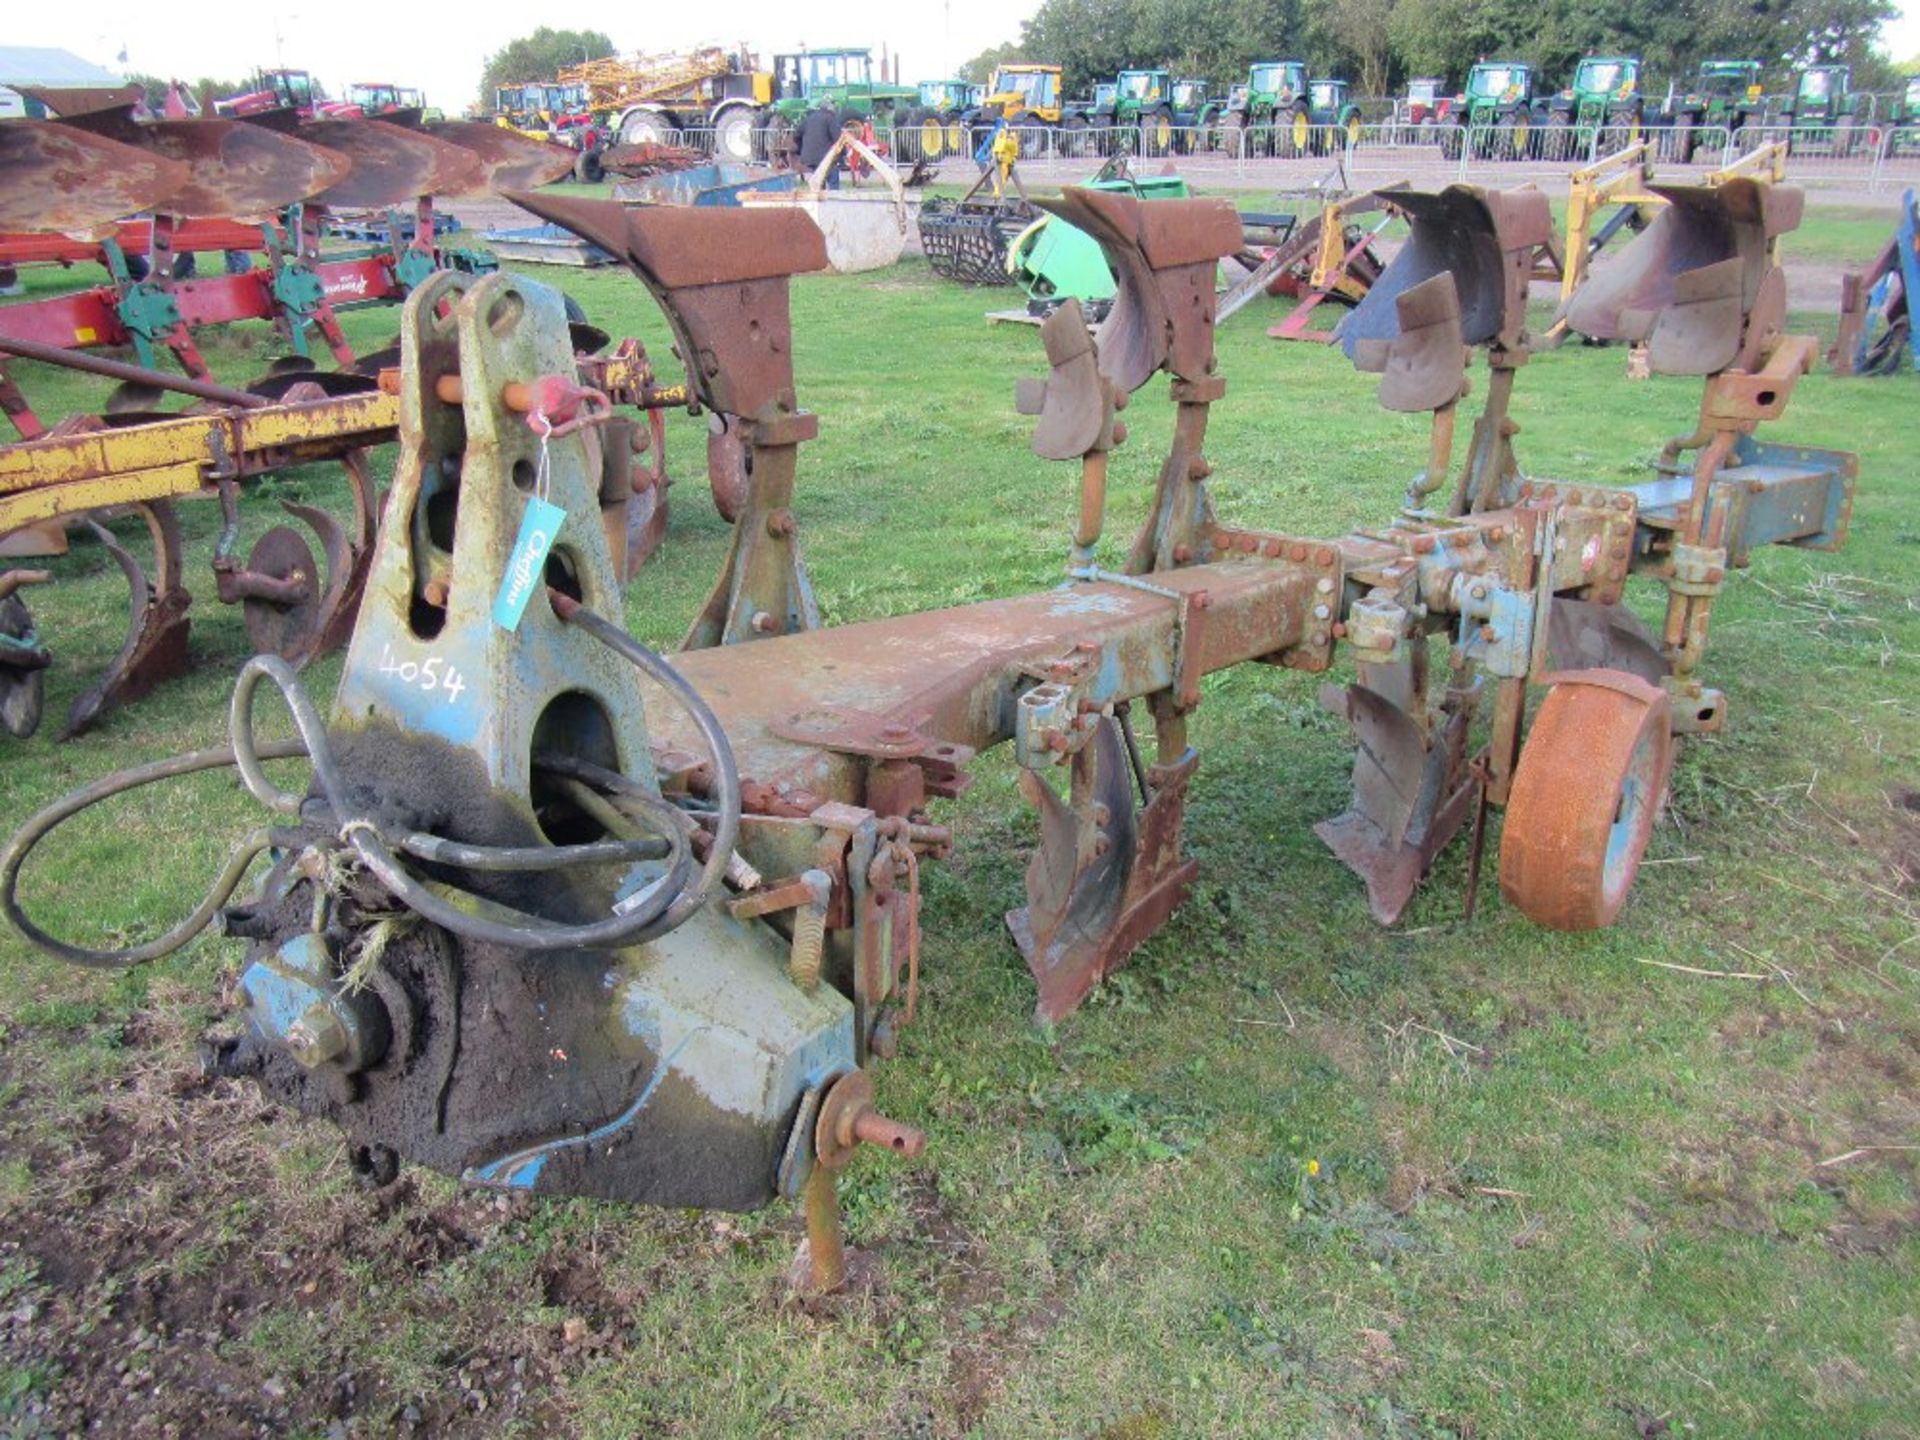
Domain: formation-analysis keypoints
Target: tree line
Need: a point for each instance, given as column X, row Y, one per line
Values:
column 1380, row 44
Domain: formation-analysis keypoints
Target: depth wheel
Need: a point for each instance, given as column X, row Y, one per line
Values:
column 1590, row 783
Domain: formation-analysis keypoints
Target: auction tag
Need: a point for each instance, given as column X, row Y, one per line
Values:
column 526, row 566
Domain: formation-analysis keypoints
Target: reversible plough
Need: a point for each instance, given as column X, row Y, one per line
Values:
column 208, row 179
column 559, row 914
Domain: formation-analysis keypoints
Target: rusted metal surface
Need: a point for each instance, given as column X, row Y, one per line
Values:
column 1423, row 364
column 233, row 170
column 155, row 649
column 122, row 371
column 1700, row 285
column 1591, row 782
column 391, row 164
column 71, row 102
column 508, row 159
column 54, row 177
column 1106, row 875
column 1169, row 254
column 720, row 278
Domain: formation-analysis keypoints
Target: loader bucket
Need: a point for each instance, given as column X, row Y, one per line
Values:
column 1164, row 256
column 509, row 160
column 1692, row 281
column 56, row 178
column 1485, row 239
column 391, row 164
column 235, row 170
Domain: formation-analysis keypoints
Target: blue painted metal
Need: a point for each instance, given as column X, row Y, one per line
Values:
column 545, row 245
column 706, row 185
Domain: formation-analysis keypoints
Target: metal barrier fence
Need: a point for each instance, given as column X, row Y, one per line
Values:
column 1285, row 156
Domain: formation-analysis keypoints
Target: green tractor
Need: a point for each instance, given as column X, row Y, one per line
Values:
column 1196, row 114
column 1604, row 95
column 1725, row 95
column 1139, row 115
column 1494, row 115
column 1903, row 120
column 1824, row 111
column 1334, row 117
column 840, row 78
column 940, row 116
column 1269, row 114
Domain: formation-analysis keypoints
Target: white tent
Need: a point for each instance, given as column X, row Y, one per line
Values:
column 40, row 65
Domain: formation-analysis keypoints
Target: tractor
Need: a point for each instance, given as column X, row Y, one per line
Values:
column 1903, row 120
column 273, row 90
column 559, row 114
column 940, row 115
column 370, row 98
column 1725, row 95
column 1136, row 111
column 841, row 78
column 1333, row 116
column 1421, row 109
column 1823, row 111
column 1605, row 94
column 1196, row 114
column 1494, row 114
column 1028, row 98
column 1272, row 105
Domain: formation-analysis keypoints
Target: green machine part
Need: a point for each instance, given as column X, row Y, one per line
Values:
column 1055, row 261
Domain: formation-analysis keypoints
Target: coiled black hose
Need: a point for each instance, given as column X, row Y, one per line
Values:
column 659, row 908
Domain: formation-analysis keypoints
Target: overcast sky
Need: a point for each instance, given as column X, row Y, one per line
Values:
column 441, row 48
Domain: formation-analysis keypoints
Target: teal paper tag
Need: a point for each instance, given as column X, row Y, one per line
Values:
column 527, row 564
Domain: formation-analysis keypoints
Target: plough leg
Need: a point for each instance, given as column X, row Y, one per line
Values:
column 156, row 644
column 1105, row 876
column 1411, row 787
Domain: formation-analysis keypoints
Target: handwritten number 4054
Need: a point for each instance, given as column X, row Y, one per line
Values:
column 430, row 674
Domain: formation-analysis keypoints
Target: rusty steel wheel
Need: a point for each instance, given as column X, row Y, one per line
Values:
column 1590, row 783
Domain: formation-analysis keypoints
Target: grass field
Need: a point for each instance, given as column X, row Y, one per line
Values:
column 1287, row 1174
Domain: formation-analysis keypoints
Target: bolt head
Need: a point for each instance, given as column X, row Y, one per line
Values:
column 317, row 1037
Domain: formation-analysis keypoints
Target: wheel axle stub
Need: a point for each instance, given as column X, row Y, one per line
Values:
column 848, row 1120
column 280, row 617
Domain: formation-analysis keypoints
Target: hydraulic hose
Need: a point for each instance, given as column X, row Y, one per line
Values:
column 726, row 774
column 40, row 826
column 653, row 911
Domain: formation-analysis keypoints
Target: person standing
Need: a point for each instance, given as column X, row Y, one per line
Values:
column 818, row 130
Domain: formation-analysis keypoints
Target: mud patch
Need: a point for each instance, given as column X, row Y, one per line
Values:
column 174, row 1273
